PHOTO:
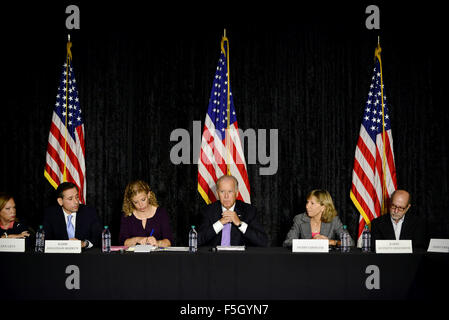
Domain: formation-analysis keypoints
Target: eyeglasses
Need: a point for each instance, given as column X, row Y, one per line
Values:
column 400, row 209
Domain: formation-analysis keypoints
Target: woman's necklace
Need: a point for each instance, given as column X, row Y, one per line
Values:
column 315, row 226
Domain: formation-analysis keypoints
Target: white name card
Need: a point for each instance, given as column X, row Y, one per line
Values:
column 12, row 245
column 231, row 248
column 394, row 246
column 310, row 245
column 62, row 246
column 439, row 245
column 144, row 248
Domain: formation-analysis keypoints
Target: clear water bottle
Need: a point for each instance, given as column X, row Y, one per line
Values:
column 106, row 240
column 40, row 240
column 366, row 240
column 344, row 238
column 193, row 240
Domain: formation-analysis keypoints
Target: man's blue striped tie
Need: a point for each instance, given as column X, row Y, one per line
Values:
column 70, row 227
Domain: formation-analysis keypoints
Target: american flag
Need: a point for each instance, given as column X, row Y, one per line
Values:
column 374, row 173
column 65, row 149
column 221, row 148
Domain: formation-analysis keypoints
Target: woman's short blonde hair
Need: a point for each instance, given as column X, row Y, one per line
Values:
column 133, row 189
column 325, row 199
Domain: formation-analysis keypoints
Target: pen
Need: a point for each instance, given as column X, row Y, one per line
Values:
column 152, row 231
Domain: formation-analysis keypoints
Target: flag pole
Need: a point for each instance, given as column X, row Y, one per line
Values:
column 384, row 156
column 68, row 58
column 228, row 105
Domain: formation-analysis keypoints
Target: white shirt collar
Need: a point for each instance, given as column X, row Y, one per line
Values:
column 230, row 209
column 400, row 220
column 66, row 215
column 397, row 227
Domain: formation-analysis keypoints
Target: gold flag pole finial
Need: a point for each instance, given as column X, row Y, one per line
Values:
column 69, row 46
column 378, row 49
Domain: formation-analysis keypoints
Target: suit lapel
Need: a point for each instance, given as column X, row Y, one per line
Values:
column 325, row 229
column 78, row 223
column 235, row 232
column 62, row 223
column 239, row 210
column 218, row 212
column 306, row 230
column 389, row 227
column 405, row 227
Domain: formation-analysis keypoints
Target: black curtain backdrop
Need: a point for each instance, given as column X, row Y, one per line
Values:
column 146, row 70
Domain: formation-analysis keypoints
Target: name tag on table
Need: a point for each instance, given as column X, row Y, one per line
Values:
column 439, row 245
column 230, row 248
column 310, row 245
column 144, row 248
column 62, row 246
column 394, row 246
column 12, row 245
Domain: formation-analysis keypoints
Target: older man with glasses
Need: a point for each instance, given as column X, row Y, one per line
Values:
column 400, row 224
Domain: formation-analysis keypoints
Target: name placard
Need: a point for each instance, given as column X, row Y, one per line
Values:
column 62, row 246
column 310, row 245
column 12, row 245
column 231, row 248
column 439, row 245
column 394, row 246
column 144, row 248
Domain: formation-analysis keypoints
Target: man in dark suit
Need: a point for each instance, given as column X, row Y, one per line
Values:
column 399, row 224
column 72, row 220
column 230, row 222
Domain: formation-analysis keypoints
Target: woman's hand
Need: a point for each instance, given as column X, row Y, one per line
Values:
column 22, row 235
column 331, row 242
column 141, row 240
column 151, row 241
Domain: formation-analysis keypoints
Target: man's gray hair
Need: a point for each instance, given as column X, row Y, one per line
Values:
column 224, row 177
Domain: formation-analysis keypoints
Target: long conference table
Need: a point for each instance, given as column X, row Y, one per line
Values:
column 256, row 274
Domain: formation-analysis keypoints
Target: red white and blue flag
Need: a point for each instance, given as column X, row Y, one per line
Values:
column 65, row 161
column 221, row 148
column 374, row 173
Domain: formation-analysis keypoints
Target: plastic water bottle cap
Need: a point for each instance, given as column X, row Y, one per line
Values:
column 106, row 227
column 345, row 227
column 193, row 227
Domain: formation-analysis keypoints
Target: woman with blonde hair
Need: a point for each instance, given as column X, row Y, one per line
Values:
column 143, row 221
column 320, row 221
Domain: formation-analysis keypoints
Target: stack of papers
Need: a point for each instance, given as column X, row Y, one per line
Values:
column 184, row 249
column 230, row 248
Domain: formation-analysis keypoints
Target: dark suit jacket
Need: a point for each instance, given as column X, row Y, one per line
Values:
column 254, row 236
column 88, row 225
column 413, row 228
